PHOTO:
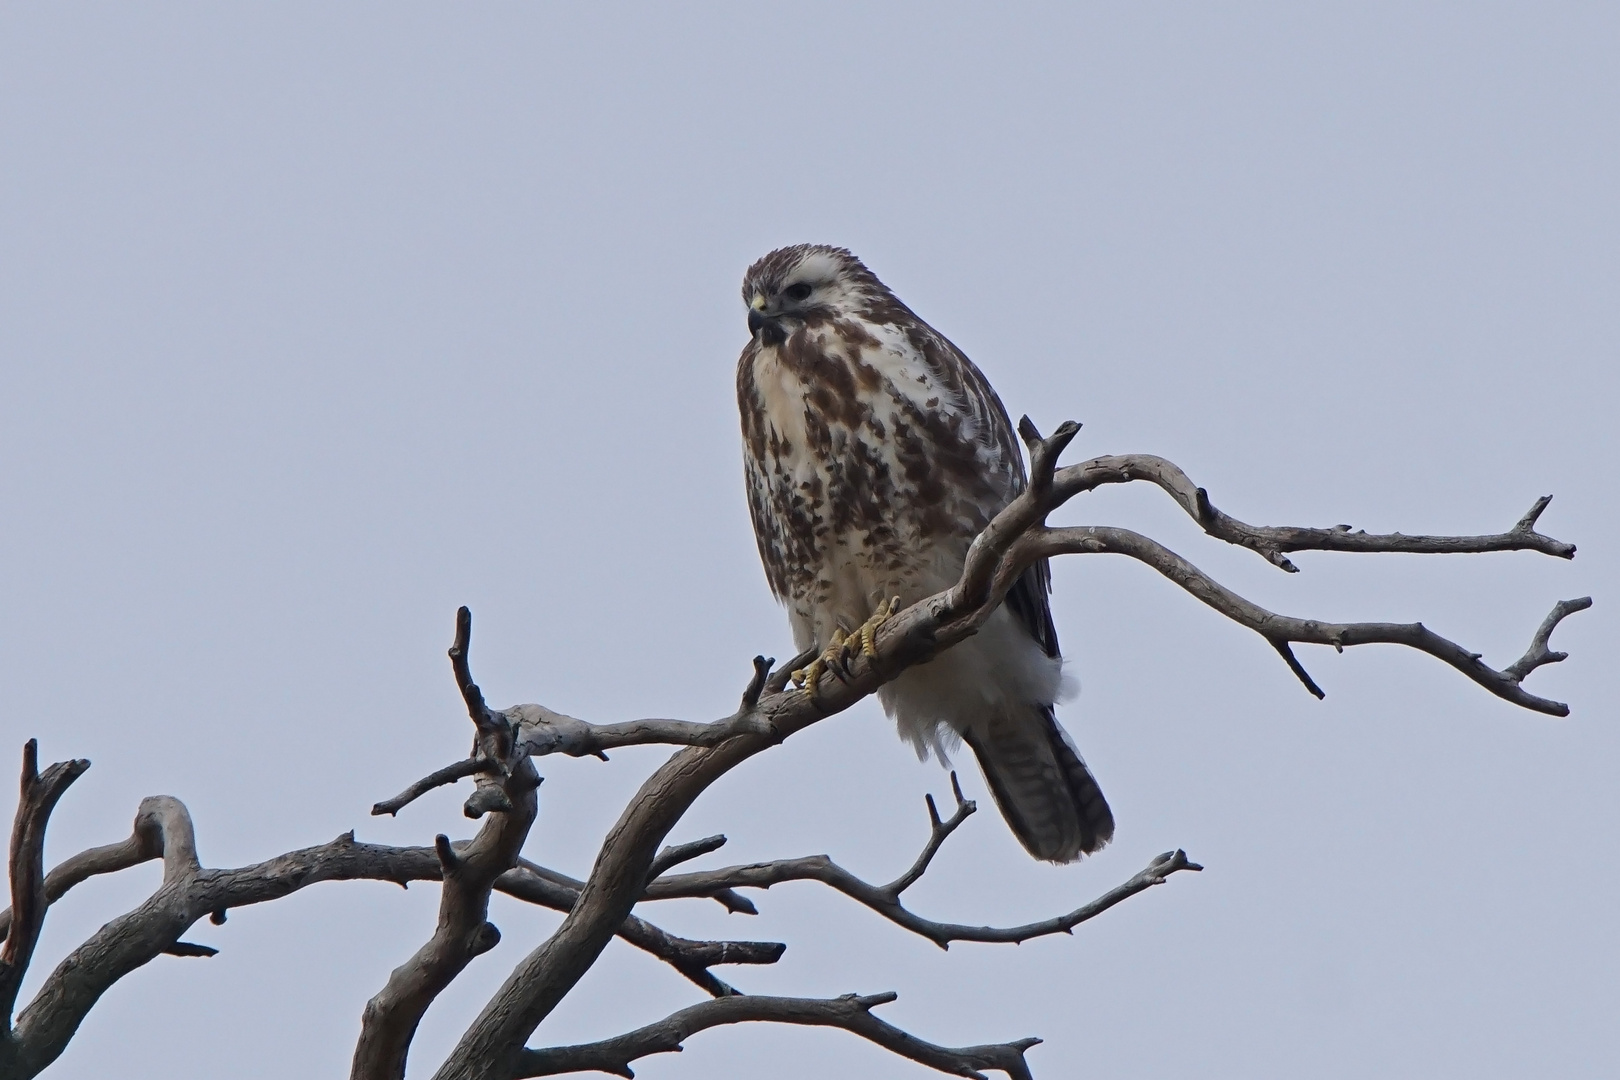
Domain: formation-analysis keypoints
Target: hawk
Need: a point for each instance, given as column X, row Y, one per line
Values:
column 875, row 452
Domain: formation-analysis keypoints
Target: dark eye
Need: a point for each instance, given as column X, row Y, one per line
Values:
column 801, row 291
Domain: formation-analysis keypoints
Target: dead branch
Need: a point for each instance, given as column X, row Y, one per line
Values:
column 1018, row 538
column 464, row 931
column 164, row 827
column 38, row 797
column 1281, row 630
column 546, row 732
column 852, row 1013
column 938, row 831
column 107, row 859
column 1272, row 541
column 43, row 1029
column 632, row 866
column 1538, row 654
column 679, row 853
column 456, row 770
column 547, row 888
column 1015, row 539
column 885, row 899
column 734, row 902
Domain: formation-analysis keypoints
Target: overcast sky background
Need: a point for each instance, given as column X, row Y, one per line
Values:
column 320, row 320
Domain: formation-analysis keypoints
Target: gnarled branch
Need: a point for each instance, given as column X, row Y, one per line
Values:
column 43, row 1028
column 163, row 829
column 38, row 797
column 469, row 874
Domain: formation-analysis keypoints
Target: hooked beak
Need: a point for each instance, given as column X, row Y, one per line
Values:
column 767, row 329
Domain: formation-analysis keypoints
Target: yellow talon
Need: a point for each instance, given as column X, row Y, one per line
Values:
column 835, row 657
column 809, row 677
column 869, row 628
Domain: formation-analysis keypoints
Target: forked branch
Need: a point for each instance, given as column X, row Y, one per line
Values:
column 852, row 1013
column 464, row 931
column 1270, row 541
column 38, row 797
column 1019, row 537
column 1282, row 630
column 885, row 899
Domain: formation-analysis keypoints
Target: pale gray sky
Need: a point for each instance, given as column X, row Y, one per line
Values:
column 319, row 320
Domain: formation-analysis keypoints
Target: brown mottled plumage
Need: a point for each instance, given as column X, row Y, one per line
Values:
column 875, row 453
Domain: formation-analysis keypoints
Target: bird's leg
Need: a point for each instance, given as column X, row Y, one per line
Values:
column 833, row 656
column 868, row 631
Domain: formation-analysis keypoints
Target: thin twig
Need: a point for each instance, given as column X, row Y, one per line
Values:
column 756, row 685
column 1538, row 653
column 881, row 900
column 448, row 775
column 190, row 948
column 679, row 853
column 938, row 831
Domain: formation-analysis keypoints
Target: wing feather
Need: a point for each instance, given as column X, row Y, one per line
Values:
column 1030, row 597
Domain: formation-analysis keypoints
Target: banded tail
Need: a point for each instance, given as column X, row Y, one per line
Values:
column 1046, row 793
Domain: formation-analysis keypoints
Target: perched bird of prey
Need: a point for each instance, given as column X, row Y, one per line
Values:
column 875, row 452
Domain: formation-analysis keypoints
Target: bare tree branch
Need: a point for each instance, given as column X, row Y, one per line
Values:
column 464, row 930
column 631, row 866
column 107, row 859
column 43, row 1028
column 852, row 1013
column 885, row 899
column 546, row 732
column 938, row 831
column 1014, row 540
column 931, row 625
column 1017, row 538
column 38, row 797
column 189, row 948
column 1272, row 542
column 618, row 880
column 547, row 888
column 213, row 892
column 1281, row 630
column 679, row 853
column 756, row 685
column 463, row 933
column 1538, row 654
column 734, row 902
column 448, row 775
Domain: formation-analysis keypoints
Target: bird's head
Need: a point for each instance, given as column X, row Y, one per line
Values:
column 803, row 284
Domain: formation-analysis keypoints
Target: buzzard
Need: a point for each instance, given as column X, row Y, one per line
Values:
column 875, row 452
